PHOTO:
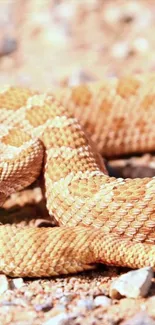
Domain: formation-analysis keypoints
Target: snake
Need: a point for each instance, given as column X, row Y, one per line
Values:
column 61, row 136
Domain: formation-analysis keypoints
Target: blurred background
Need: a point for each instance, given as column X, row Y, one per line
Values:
column 50, row 43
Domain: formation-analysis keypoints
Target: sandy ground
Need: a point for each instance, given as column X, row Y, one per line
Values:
column 46, row 44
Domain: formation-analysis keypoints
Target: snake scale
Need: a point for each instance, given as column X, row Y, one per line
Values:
column 100, row 219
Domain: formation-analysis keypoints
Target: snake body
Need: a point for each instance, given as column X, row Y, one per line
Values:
column 101, row 219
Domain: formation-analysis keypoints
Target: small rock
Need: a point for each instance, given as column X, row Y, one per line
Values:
column 79, row 77
column 112, row 14
column 102, row 301
column 17, row 283
column 86, row 303
column 66, row 299
column 140, row 319
column 65, row 11
column 120, row 50
column 28, row 294
column 140, row 45
column 134, row 284
column 130, row 11
column 15, row 302
column 4, row 283
column 9, row 45
column 57, row 320
column 44, row 307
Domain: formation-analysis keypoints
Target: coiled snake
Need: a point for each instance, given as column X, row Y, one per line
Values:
column 101, row 218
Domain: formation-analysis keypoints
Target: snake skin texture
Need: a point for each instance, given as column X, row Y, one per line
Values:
column 101, row 219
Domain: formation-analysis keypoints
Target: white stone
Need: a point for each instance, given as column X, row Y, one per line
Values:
column 133, row 284
column 102, row 301
column 120, row 50
column 17, row 283
column 4, row 283
column 141, row 45
column 56, row 320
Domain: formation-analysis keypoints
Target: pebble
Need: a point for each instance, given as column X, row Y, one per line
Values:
column 112, row 15
column 102, row 301
column 131, row 9
column 9, row 45
column 44, row 307
column 86, row 303
column 4, row 283
column 78, row 77
column 57, row 320
column 120, row 50
column 133, row 284
column 65, row 11
column 17, row 283
column 140, row 45
column 28, row 294
column 140, row 319
column 58, row 36
column 66, row 299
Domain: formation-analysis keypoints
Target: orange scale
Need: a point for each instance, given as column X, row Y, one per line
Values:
column 81, row 95
column 14, row 98
column 37, row 115
column 15, row 138
column 127, row 87
column 106, row 105
column 148, row 101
